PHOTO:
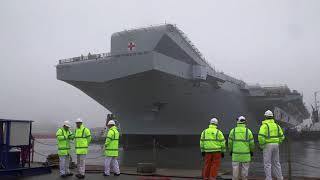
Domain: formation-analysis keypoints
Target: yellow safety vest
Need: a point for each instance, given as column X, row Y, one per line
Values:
column 212, row 140
column 270, row 133
column 112, row 142
column 241, row 143
column 82, row 138
column 63, row 141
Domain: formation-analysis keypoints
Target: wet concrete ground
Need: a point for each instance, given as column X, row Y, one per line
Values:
column 130, row 174
column 304, row 156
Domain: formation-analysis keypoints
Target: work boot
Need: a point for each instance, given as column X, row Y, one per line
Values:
column 81, row 176
column 105, row 175
column 63, row 175
column 69, row 174
column 116, row 174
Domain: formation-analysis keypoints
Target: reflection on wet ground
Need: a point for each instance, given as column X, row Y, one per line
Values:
column 304, row 157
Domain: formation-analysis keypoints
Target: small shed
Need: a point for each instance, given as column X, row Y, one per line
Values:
column 15, row 149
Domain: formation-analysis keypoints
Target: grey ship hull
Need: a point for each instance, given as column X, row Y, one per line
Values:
column 164, row 86
column 183, row 108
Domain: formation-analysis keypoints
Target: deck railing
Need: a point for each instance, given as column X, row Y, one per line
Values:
column 99, row 57
column 85, row 58
column 192, row 46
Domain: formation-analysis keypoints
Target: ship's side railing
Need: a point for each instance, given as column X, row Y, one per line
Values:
column 214, row 72
column 98, row 57
column 192, row 46
column 84, row 58
column 145, row 28
column 240, row 83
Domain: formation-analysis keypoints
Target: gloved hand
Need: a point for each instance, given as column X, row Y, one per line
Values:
column 203, row 154
column 222, row 155
column 251, row 154
column 231, row 153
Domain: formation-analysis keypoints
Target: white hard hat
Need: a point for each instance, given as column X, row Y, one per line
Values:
column 268, row 113
column 79, row 120
column 111, row 122
column 67, row 123
column 241, row 119
column 214, row 121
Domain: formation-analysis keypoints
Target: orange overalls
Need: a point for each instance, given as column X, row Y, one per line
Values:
column 211, row 166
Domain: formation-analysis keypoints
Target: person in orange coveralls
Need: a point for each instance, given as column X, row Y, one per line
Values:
column 213, row 147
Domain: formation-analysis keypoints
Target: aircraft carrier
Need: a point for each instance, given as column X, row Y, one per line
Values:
column 156, row 82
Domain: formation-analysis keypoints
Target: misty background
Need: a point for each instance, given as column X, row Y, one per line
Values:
column 267, row 42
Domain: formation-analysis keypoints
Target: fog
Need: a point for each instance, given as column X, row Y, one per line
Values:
column 266, row 42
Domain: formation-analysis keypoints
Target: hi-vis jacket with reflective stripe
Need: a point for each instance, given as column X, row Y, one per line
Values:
column 112, row 143
column 270, row 133
column 241, row 143
column 212, row 140
column 63, row 141
column 82, row 138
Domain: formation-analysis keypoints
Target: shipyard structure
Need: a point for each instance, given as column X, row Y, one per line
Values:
column 156, row 82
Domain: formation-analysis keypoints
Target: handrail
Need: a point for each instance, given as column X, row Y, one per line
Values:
column 84, row 58
column 155, row 26
column 98, row 57
column 192, row 46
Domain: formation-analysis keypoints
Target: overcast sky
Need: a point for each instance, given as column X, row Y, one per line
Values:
column 270, row 42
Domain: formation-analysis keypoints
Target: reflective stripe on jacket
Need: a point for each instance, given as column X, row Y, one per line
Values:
column 212, row 140
column 112, row 142
column 63, row 141
column 270, row 133
column 82, row 138
column 241, row 143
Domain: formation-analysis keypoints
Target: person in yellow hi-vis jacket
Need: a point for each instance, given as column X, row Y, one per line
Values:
column 64, row 136
column 112, row 150
column 270, row 137
column 82, row 138
column 241, row 146
column 213, row 147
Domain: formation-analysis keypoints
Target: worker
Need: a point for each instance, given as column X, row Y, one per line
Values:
column 269, row 137
column 241, row 146
column 212, row 145
column 64, row 136
column 83, row 138
column 111, row 150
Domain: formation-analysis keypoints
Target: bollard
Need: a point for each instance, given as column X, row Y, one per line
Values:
column 154, row 149
column 32, row 150
column 289, row 158
column 146, row 168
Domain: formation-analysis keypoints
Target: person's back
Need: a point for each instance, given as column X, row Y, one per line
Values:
column 270, row 133
column 212, row 140
column 241, row 143
column 241, row 146
column 270, row 137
